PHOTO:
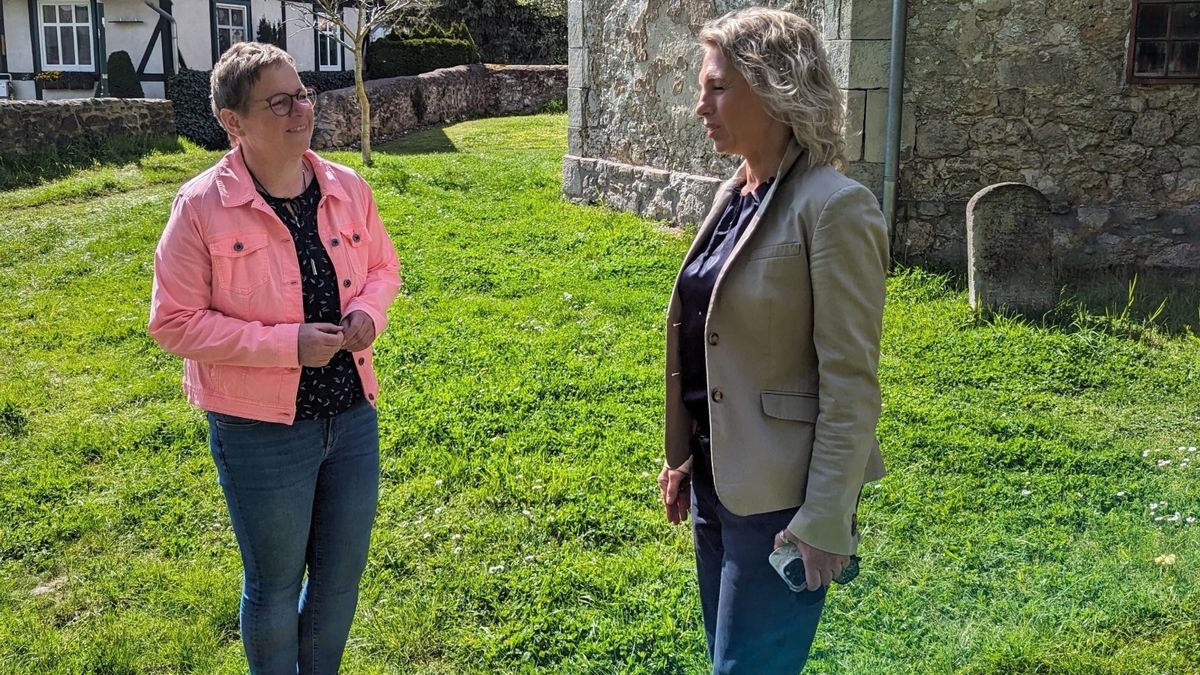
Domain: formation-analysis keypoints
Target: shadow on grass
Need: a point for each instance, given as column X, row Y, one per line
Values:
column 424, row 142
column 81, row 153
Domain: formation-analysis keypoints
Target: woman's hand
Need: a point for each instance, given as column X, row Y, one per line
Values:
column 359, row 331
column 820, row 567
column 676, row 489
column 317, row 343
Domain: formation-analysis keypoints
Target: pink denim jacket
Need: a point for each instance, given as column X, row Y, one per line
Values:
column 227, row 293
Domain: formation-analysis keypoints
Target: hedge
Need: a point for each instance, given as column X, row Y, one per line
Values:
column 505, row 31
column 188, row 92
column 392, row 57
column 122, row 78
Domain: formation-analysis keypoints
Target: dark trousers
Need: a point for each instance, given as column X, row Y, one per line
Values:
column 754, row 623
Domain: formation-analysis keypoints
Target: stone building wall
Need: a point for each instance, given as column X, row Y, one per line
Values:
column 403, row 104
column 28, row 127
column 1034, row 91
column 1030, row 91
column 634, row 141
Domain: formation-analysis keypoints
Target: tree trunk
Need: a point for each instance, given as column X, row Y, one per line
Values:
column 364, row 104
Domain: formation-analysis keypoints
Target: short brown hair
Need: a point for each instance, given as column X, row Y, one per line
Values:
column 238, row 69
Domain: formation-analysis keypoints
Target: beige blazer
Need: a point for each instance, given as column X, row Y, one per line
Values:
column 792, row 349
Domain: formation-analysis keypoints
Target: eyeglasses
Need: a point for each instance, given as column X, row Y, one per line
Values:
column 281, row 104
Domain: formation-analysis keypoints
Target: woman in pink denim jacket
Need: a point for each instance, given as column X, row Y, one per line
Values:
column 272, row 280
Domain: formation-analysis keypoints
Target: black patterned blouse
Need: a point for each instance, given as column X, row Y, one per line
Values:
column 332, row 389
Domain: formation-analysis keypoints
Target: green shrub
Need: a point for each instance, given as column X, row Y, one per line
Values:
column 122, row 78
column 189, row 93
column 327, row 81
column 392, row 57
column 271, row 33
column 504, row 31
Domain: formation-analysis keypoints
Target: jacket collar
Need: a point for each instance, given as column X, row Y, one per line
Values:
column 237, row 187
column 791, row 157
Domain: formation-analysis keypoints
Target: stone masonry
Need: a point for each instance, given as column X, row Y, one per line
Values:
column 1029, row 91
column 634, row 142
column 403, row 104
column 28, row 127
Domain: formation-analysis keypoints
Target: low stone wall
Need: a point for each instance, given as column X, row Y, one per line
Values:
column 27, row 127
column 403, row 104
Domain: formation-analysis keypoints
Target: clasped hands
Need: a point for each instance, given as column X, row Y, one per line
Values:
column 318, row 342
column 820, row 567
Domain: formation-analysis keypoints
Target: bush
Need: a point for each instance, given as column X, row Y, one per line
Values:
column 188, row 92
column 505, row 31
column 327, row 81
column 392, row 57
column 271, row 33
column 122, row 78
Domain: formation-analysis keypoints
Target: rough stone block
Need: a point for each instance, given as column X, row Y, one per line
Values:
column 575, row 19
column 859, row 64
column 579, row 68
column 576, row 100
column 572, row 178
column 575, row 145
column 865, row 20
column 856, row 102
column 875, row 134
column 1010, row 249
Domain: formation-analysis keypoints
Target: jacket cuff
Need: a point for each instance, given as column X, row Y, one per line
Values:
column 288, row 345
column 832, row 535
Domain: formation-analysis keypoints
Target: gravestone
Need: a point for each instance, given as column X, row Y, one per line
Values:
column 1009, row 249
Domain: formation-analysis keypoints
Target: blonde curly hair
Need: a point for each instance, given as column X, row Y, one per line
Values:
column 782, row 57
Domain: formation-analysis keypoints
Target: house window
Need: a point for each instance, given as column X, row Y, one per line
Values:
column 66, row 36
column 233, row 26
column 1165, row 46
column 329, row 50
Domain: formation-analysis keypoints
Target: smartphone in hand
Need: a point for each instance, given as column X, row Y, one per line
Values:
column 788, row 562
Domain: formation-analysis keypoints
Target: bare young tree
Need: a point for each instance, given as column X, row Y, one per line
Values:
column 351, row 23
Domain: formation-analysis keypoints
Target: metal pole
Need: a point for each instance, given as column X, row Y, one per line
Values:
column 891, row 162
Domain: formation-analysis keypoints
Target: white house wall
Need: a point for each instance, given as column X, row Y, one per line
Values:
column 129, row 25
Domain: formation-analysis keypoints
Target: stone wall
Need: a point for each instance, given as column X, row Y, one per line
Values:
column 27, row 127
column 634, row 141
column 403, row 104
column 1029, row 91
column 1034, row 91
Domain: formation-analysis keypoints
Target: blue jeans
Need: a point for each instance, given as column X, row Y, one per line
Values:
column 301, row 498
column 753, row 622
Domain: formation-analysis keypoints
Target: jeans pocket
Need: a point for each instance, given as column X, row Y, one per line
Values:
column 234, row 422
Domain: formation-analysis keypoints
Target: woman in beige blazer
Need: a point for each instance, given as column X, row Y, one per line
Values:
column 772, row 345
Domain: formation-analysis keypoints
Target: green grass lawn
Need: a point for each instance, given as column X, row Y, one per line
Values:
column 1028, row 499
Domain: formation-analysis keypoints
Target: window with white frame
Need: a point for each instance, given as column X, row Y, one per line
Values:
column 233, row 26
column 66, row 36
column 329, row 50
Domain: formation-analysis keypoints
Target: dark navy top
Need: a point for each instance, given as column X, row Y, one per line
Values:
column 332, row 389
column 695, row 291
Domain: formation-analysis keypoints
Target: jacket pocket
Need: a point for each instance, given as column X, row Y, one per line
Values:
column 791, row 406
column 775, row 251
column 357, row 242
column 241, row 262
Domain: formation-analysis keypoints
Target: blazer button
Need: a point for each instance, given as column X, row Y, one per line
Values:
column 717, row 395
column 713, row 338
column 346, row 283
